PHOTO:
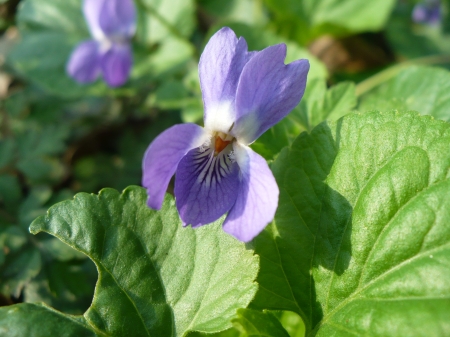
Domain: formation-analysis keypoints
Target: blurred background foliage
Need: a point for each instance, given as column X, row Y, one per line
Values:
column 58, row 138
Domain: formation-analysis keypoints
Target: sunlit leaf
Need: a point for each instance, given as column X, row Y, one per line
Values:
column 360, row 243
column 155, row 277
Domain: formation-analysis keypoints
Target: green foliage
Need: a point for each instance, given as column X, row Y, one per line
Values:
column 307, row 19
column 415, row 40
column 160, row 20
column 155, row 277
column 423, row 89
column 254, row 323
column 50, row 31
column 359, row 244
column 360, row 241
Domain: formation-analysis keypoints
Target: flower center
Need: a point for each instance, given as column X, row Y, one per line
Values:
column 221, row 141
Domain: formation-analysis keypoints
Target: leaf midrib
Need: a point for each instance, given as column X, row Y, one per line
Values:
column 360, row 290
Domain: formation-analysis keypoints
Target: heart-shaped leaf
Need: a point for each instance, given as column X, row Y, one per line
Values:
column 361, row 238
column 156, row 278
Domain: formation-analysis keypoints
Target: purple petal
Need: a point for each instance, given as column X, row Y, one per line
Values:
column 84, row 62
column 220, row 67
column 205, row 186
column 268, row 90
column 92, row 10
column 116, row 64
column 162, row 157
column 257, row 199
column 118, row 18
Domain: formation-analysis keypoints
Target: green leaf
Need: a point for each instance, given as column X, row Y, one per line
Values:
column 162, row 62
column 308, row 19
column 361, row 237
column 7, row 149
column 10, row 191
column 57, row 15
column 423, row 89
column 42, row 56
column 258, row 324
column 18, row 269
column 320, row 104
column 29, row 319
column 293, row 323
column 245, row 11
column 66, row 286
column 156, row 278
column 410, row 40
column 160, row 20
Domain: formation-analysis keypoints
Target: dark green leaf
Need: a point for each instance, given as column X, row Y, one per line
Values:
column 361, row 241
column 42, row 321
column 155, row 277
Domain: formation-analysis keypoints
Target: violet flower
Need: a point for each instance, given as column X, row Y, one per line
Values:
column 244, row 94
column 112, row 24
column 428, row 12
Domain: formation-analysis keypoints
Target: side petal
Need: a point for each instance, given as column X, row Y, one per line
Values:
column 92, row 10
column 257, row 199
column 84, row 62
column 268, row 90
column 118, row 18
column 163, row 155
column 205, row 186
column 220, row 67
column 116, row 64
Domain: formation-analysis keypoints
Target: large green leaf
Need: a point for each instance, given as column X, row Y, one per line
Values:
column 360, row 244
column 307, row 19
column 423, row 89
column 156, row 278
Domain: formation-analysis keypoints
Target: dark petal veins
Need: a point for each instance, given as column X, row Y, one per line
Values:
column 206, row 186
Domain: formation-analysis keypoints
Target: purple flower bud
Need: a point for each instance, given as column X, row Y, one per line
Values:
column 112, row 24
column 244, row 94
column 428, row 12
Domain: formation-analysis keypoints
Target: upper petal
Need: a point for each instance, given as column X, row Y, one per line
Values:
column 118, row 18
column 92, row 10
column 162, row 157
column 116, row 64
column 220, row 67
column 84, row 62
column 257, row 199
column 205, row 186
column 268, row 90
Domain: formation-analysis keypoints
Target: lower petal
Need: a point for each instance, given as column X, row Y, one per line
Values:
column 257, row 199
column 116, row 64
column 162, row 157
column 84, row 62
column 205, row 186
